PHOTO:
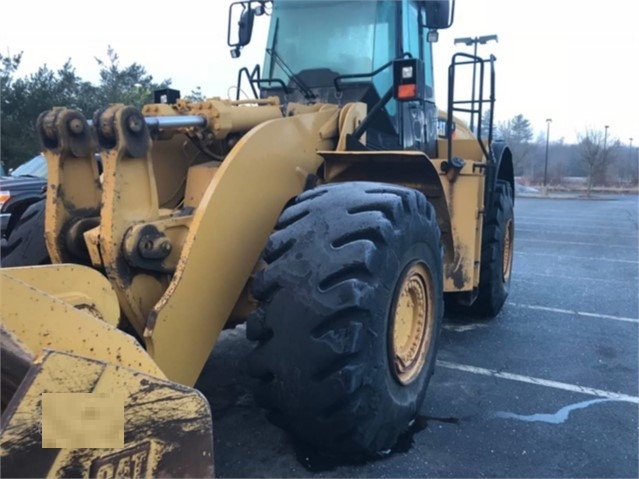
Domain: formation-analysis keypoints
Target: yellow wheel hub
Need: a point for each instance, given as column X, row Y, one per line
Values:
column 507, row 259
column 413, row 321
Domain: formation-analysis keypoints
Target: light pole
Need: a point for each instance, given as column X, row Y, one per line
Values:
column 475, row 41
column 548, row 122
column 603, row 160
column 632, row 167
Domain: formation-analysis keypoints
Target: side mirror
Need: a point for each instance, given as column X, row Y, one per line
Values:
column 246, row 27
column 242, row 15
column 439, row 15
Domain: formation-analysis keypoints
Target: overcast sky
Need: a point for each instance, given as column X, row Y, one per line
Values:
column 572, row 61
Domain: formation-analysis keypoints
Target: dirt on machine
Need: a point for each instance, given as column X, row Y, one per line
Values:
column 328, row 212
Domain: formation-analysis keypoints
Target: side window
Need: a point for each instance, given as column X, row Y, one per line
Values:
column 412, row 41
column 427, row 56
column 385, row 49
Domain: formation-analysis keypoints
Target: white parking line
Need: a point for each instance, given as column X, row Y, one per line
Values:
column 583, row 220
column 554, row 226
column 574, row 233
column 576, row 278
column 559, row 256
column 575, row 313
column 583, row 243
column 539, row 382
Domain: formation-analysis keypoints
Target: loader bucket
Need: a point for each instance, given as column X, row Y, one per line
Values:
column 81, row 398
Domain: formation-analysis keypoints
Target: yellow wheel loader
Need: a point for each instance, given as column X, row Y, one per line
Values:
column 325, row 211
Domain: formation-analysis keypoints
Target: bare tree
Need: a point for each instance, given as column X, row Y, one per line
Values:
column 627, row 170
column 598, row 152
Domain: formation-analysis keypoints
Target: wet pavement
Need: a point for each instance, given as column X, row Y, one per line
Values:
column 549, row 388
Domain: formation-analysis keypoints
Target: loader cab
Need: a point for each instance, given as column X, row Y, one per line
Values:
column 342, row 51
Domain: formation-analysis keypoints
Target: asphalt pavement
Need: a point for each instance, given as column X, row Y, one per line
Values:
column 549, row 388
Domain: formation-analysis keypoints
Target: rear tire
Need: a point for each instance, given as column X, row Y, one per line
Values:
column 350, row 309
column 26, row 245
column 496, row 255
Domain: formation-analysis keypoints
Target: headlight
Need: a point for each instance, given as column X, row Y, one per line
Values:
column 4, row 197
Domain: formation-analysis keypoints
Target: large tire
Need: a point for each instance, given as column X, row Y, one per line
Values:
column 496, row 254
column 26, row 245
column 353, row 285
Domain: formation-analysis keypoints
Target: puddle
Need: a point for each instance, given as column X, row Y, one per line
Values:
column 315, row 461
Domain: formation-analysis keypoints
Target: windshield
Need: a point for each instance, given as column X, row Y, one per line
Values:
column 36, row 166
column 344, row 37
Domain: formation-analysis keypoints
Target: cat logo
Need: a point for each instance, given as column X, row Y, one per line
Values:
column 132, row 462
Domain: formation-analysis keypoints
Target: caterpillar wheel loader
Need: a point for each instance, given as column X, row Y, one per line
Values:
column 325, row 212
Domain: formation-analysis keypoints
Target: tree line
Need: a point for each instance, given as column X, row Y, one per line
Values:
column 598, row 157
column 23, row 99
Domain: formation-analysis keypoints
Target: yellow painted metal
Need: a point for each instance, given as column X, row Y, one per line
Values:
column 70, row 162
column 413, row 169
column 51, row 323
column 167, row 427
column 174, row 230
column 59, row 352
column 92, row 241
column 465, row 198
column 413, row 322
column 350, row 117
column 172, row 153
column 198, row 180
column 462, row 132
column 81, row 287
column 130, row 216
column 336, row 163
column 227, row 116
column 467, row 148
column 458, row 199
column 171, row 158
column 239, row 207
column 129, row 197
column 179, row 314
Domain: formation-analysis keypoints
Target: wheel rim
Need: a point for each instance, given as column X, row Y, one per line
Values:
column 507, row 259
column 413, row 320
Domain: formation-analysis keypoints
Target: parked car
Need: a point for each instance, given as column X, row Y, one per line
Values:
column 22, row 195
column 25, row 185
